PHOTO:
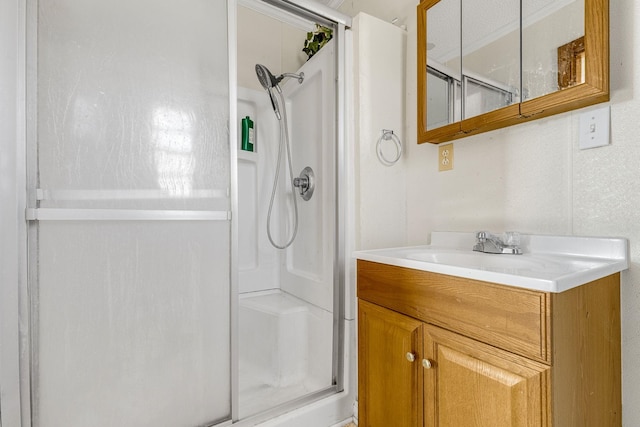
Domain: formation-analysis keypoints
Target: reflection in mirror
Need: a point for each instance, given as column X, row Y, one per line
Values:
column 443, row 100
column 571, row 64
column 482, row 96
column 552, row 46
column 444, row 77
column 490, row 55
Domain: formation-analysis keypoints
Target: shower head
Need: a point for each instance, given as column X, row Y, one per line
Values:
column 267, row 80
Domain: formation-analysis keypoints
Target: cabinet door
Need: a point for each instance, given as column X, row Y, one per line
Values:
column 471, row 384
column 390, row 380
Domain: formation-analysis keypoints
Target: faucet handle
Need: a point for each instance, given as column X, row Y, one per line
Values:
column 512, row 238
column 483, row 236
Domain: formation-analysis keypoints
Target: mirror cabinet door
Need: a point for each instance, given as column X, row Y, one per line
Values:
column 553, row 53
column 444, row 77
column 572, row 46
column 439, row 69
column 490, row 55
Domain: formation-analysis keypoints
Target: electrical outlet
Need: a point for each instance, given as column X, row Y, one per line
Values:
column 445, row 157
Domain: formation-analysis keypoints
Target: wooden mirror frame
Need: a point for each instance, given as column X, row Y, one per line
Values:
column 594, row 90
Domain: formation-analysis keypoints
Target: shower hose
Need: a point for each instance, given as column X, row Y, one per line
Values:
column 284, row 141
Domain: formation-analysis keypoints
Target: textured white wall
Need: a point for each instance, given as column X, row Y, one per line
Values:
column 533, row 177
column 379, row 65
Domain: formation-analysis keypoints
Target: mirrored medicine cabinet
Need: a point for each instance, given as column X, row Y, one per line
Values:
column 488, row 64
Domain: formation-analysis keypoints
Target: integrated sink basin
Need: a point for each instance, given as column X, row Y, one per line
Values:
column 548, row 263
column 475, row 260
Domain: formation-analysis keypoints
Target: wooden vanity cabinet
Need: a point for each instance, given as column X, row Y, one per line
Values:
column 390, row 385
column 443, row 351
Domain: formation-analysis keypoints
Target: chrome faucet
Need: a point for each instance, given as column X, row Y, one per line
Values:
column 491, row 244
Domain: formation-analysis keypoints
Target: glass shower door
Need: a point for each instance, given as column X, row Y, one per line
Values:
column 130, row 224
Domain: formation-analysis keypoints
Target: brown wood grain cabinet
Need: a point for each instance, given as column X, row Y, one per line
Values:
column 443, row 351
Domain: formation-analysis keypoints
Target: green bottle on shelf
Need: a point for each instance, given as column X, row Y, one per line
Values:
column 248, row 134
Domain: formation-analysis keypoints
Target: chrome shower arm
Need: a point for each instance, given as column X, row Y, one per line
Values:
column 300, row 77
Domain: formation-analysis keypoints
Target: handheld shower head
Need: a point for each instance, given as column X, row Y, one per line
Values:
column 267, row 80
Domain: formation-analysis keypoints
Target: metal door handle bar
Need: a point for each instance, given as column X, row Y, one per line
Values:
column 59, row 195
column 56, row 214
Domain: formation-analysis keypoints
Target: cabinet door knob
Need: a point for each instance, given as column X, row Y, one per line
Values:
column 426, row 364
column 411, row 357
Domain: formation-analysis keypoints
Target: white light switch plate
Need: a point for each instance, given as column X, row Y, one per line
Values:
column 594, row 128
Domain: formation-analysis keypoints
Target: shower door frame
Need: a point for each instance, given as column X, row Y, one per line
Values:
column 13, row 245
column 320, row 14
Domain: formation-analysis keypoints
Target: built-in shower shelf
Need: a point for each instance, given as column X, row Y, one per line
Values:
column 251, row 156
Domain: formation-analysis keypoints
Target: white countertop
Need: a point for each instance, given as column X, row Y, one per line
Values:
column 548, row 263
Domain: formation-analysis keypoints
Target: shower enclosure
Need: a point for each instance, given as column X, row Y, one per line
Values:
column 286, row 314
column 154, row 296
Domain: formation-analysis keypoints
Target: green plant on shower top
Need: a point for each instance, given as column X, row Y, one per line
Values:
column 316, row 39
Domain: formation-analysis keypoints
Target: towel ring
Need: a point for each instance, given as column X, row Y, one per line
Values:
column 388, row 135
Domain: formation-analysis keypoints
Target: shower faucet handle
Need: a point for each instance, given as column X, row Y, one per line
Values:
column 306, row 183
column 302, row 183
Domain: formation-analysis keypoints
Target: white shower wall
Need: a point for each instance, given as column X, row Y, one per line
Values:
column 258, row 261
column 286, row 296
column 306, row 268
column 308, row 271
